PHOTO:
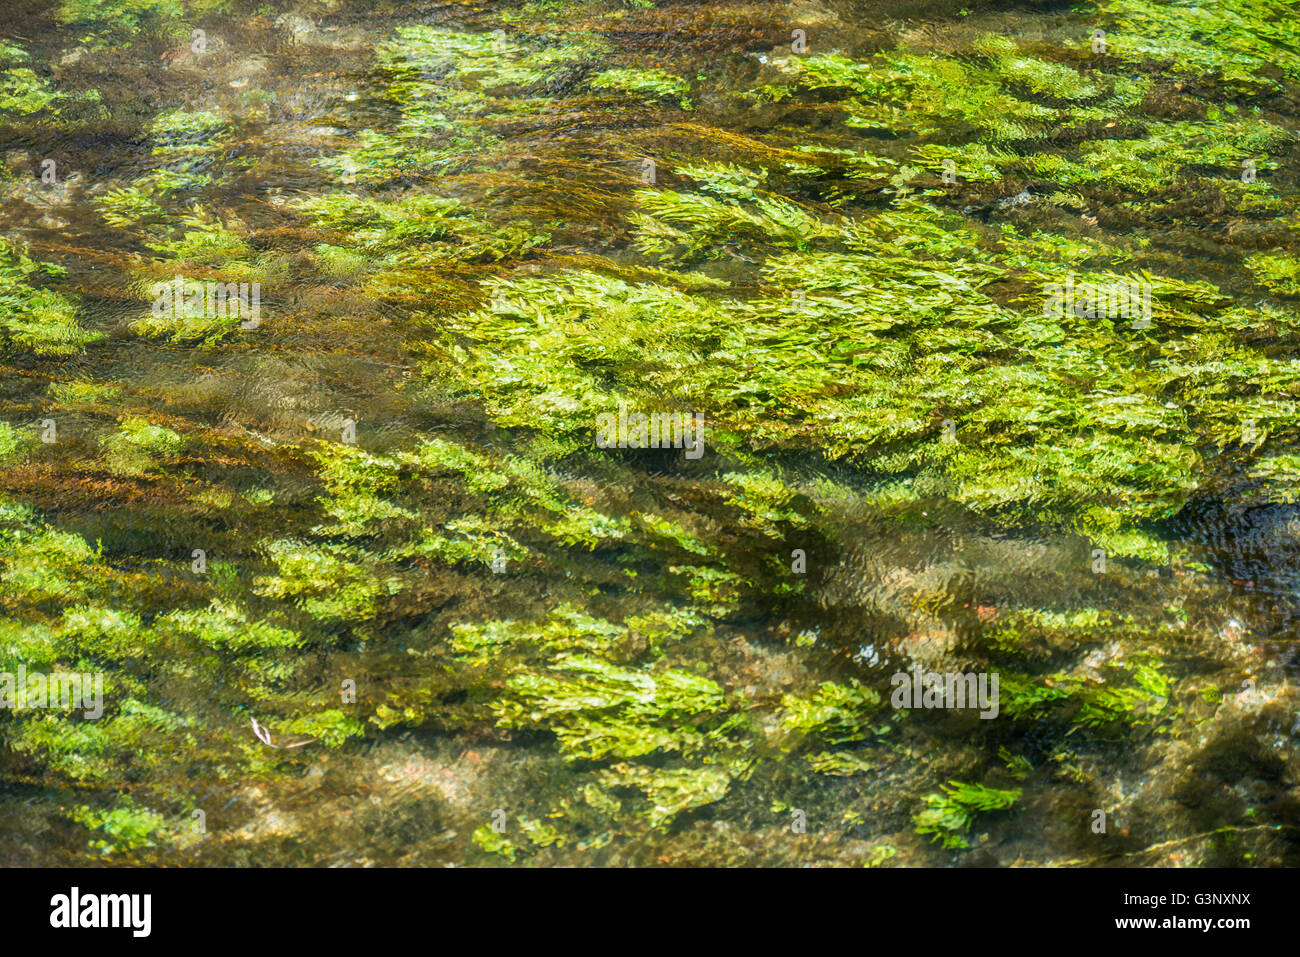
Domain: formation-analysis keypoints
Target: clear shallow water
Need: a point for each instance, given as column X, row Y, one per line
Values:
column 646, row 680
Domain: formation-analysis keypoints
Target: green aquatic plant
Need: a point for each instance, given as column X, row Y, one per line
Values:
column 1135, row 694
column 885, row 375
column 1250, row 46
column 27, row 95
column 395, row 243
column 205, row 241
column 182, row 137
column 597, row 709
column 907, row 93
column 1021, row 697
column 881, row 388
column 125, row 826
column 11, row 442
column 173, row 128
column 670, row 792
column 1155, row 160
column 519, row 494
column 1037, row 76
column 130, row 15
column 224, row 625
column 725, row 180
column 923, row 95
column 841, row 763
column 1279, row 271
column 493, row 842
column 185, row 308
column 331, row 727
column 1280, row 480
column 77, row 393
column 648, row 83
column 971, row 162
column 128, row 206
column 1018, row 766
column 1144, row 701
column 710, row 222
column 327, row 582
column 949, row 816
column 40, row 562
column 34, row 319
column 23, row 92
column 485, row 61
column 835, row 713
column 139, row 447
column 1036, row 627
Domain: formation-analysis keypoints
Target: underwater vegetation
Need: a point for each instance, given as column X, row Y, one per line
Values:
column 364, row 588
column 37, row 320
